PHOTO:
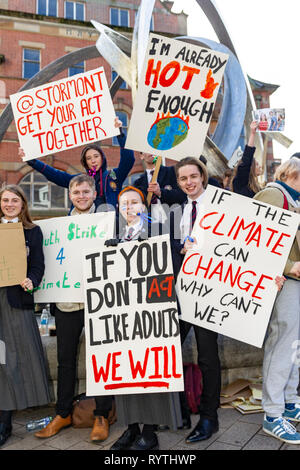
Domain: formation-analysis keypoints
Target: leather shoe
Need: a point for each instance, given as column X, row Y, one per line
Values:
column 5, row 433
column 203, row 430
column 100, row 430
column 125, row 441
column 145, row 443
column 54, row 427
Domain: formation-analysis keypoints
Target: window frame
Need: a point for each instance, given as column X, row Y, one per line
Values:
column 74, row 2
column 30, row 61
column 119, row 17
column 47, row 9
column 32, row 184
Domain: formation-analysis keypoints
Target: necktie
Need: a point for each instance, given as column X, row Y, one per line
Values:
column 129, row 234
column 154, row 197
column 194, row 214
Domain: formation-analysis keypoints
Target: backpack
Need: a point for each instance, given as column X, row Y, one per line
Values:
column 193, row 386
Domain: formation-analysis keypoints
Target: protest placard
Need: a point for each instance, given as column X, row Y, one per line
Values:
column 176, row 95
column 64, row 240
column 13, row 258
column 64, row 114
column 227, row 283
column 131, row 321
column 270, row 119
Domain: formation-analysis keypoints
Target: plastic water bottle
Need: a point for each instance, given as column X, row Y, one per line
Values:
column 37, row 424
column 44, row 323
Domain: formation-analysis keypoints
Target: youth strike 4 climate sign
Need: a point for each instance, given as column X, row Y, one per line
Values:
column 176, row 95
column 227, row 283
column 131, row 321
column 64, row 240
column 64, row 114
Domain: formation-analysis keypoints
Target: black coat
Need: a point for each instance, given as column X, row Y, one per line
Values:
column 166, row 178
column 240, row 183
column 16, row 295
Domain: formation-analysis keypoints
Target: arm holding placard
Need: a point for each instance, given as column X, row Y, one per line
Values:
column 59, row 177
column 126, row 160
column 244, row 181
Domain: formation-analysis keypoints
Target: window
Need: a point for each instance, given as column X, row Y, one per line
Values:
column 119, row 17
column 42, row 194
column 47, row 7
column 77, row 68
column 74, row 11
column 124, row 118
column 113, row 76
column 31, row 62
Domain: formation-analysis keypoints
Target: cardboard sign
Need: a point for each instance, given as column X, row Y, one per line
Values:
column 227, row 283
column 176, row 96
column 64, row 114
column 13, row 258
column 131, row 322
column 64, row 240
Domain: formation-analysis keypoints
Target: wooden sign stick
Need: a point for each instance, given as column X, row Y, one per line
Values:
column 154, row 178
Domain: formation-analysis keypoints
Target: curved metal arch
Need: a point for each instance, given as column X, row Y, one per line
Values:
column 231, row 119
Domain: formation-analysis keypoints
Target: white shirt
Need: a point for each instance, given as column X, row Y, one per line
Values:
column 5, row 221
column 185, row 223
column 137, row 228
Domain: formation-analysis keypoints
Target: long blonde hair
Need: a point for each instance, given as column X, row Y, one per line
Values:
column 24, row 215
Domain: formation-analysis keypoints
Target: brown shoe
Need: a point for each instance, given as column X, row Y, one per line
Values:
column 54, row 427
column 100, row 430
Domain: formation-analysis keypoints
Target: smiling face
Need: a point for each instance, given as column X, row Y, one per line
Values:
column 190, row 180
column 82, row 196
column 131, row 204
column 93, row 159
column 11, row 205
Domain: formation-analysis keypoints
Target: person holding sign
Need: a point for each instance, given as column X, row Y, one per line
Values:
column 152, row 408
column 244, row 180
column 108, row 182
column 192, row 178
column 69, row 320
column 165, row 190
column 23, row 376
column 280, row 399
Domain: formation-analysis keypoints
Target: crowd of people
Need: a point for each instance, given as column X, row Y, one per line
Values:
column 23, row 377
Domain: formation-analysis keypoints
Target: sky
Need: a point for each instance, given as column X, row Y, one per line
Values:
column 265, row 36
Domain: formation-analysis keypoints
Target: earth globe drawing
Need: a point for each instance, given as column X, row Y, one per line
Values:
column 168, row 131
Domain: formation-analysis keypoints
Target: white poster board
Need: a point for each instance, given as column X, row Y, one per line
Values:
column 176, row 95
column 227, row 283
column 64, row 114
column 131, row 321
column 64, row 240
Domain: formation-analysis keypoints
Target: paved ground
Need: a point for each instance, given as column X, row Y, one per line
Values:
column 237, row 432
